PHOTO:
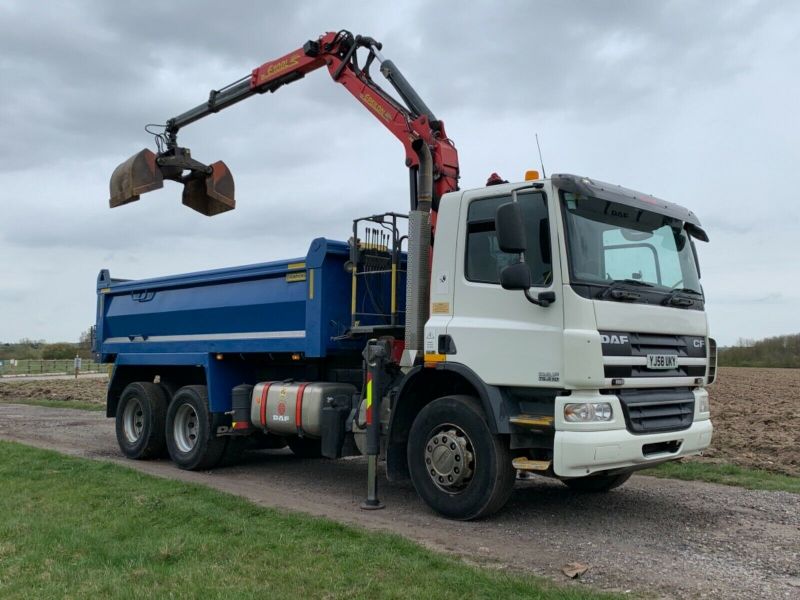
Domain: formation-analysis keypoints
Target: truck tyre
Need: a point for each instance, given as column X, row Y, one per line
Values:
column 141, row 414
column 596, row 483
column 304, row 447
column 191, row 439
column 169, row 389
column 457, row 466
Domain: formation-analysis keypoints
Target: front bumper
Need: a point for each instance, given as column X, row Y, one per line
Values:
column 580, row 453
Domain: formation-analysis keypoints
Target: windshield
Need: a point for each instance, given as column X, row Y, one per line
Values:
column 610, row 242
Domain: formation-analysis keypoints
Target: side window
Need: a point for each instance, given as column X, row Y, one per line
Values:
column 484, row 258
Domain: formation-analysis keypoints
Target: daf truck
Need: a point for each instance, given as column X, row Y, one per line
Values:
column 553, row 326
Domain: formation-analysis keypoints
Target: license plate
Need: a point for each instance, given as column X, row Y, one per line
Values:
column 662, row 361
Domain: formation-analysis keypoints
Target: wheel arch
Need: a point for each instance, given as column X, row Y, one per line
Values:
column 421, row 386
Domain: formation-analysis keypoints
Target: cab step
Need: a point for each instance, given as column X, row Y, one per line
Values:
column 532, row 420
column 526, row 464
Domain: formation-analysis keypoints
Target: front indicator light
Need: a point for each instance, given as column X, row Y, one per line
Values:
column 587, row 412
column 703, row 405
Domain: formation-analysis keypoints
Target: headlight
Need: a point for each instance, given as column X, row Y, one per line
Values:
column 586, row 412
column 703, row 406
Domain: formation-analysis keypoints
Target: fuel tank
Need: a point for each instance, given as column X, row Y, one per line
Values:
column 292, row 408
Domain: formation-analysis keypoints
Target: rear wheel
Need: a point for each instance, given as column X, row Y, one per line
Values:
column 191, row 440
column 170, row 389
column 141, row 413
column 457, row 466
column 596, row 483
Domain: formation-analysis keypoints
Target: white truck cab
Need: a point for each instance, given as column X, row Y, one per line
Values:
column 604, row 360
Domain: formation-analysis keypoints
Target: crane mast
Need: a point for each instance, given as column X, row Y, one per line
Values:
column 430, row 155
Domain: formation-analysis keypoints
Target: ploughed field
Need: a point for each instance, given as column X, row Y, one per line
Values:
column 91, row 390
column 756, row 413
column 756, row 416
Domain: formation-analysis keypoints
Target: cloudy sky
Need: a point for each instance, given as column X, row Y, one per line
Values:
column 695, row 102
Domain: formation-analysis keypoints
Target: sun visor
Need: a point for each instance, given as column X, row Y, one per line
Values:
column 631, row 198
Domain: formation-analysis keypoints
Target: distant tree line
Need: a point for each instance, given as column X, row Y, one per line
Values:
column 780, row 351
column 27, row 349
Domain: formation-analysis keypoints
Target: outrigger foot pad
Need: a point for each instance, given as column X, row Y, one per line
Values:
column 372, row 505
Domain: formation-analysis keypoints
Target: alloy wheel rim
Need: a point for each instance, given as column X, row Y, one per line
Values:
column 185, row 428
column 133, row 420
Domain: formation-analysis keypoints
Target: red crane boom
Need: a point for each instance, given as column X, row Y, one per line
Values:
column 209, row 189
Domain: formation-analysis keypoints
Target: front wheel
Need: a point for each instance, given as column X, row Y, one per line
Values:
column 458, row 467
column 596, row 483
column 191, row 440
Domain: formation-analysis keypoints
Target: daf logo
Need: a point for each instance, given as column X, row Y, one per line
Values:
column 698, row 343
column 614, row 339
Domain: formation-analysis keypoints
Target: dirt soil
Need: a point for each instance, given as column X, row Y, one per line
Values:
column 85, row 389
column 756, row 416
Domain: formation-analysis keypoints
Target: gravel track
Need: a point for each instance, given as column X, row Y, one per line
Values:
column 668, row 538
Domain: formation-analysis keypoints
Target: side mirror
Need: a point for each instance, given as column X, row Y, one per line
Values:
column 510, row 228
column 516, row 277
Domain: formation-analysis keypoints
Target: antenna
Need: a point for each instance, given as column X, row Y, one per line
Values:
column 541, row 162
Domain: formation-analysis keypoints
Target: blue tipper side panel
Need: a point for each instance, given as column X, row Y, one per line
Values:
column 297, row 305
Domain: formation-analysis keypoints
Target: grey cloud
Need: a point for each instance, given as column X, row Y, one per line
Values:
column 608, row 56
column 91, row 74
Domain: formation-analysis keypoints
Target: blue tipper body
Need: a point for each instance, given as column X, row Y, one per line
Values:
column 301, row 305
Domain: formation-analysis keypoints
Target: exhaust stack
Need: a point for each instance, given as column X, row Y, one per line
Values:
column 208, row 189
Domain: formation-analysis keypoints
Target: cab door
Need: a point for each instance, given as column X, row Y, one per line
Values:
column 498, row 333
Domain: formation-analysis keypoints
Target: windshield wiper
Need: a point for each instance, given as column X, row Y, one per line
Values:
column 675, row 298
column 613, row 290
column 633, row 282
column 687, row 291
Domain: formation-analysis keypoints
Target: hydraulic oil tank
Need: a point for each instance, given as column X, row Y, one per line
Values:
column 291, row 408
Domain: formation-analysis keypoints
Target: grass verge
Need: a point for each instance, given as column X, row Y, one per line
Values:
column 59, row 404
column 78, row 528
column 752, row 479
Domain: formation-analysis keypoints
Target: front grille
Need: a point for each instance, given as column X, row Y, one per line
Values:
column 639, row 345
column 657, row 411
column 626, row 371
